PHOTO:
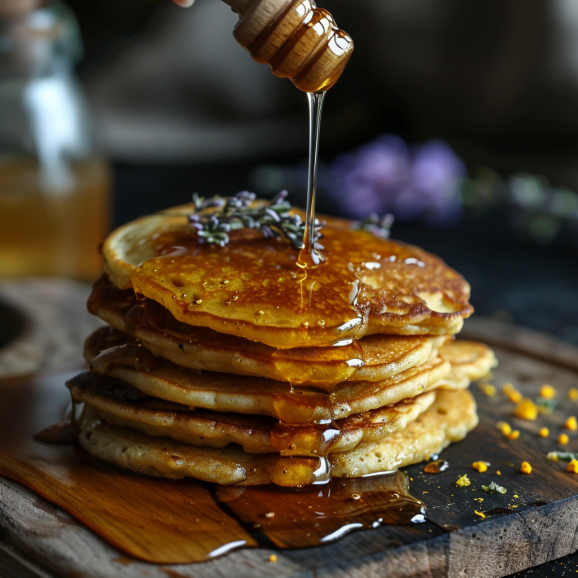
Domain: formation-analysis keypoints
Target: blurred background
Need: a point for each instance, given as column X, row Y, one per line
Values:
column 460, row 118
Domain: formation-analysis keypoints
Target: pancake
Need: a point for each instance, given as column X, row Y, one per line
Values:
column 448, row 419
column 256, row 434
column 372, row 358
column 254, row 288
column 160, row 378
column 470, row 360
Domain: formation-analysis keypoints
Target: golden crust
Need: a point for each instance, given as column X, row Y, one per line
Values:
column 254, row 395
column 382, row 356
column 253, row 287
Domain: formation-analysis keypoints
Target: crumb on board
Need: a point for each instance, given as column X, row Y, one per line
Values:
column 512, row 393
column 480, row 514
column 563, row 439
column 547, row 392
column 514, row 435
column 573, row 467
column 273, row 558
column 504, row 427
column 498, row 473
column 527, row 410
column 526, row 468
column 573, row 393
column 488, row 389
column 571, row 423
column 480, row 466
column 544, row 432
column 463, row 481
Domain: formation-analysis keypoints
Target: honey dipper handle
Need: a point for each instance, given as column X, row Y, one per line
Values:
column 295, row 38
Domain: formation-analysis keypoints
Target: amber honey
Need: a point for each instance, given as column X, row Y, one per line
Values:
column 45, row 230
column 167, row 521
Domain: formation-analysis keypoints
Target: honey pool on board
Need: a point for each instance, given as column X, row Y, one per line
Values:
column 167, row 521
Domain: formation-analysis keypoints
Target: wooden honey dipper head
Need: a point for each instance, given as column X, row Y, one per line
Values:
column 295, row 38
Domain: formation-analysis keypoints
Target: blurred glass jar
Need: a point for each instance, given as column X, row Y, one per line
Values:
column 54, row 186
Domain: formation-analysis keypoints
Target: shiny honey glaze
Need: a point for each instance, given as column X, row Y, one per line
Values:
column 255, row 288
column 167, row 521
column 322, row 366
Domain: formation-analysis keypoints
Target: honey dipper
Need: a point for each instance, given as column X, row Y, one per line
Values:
column 295, row 38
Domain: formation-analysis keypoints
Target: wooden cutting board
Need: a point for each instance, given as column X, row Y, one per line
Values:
column 539, row 525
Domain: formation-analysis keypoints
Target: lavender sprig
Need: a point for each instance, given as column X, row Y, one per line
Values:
column 273, row 219
column 379, row 227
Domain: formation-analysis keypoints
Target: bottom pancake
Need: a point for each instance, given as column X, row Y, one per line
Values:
column 448, row 419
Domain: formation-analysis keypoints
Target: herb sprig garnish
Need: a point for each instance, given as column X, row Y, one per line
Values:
column 493, row 487
column 272, row 218
column 241, row 212
column 381, row 227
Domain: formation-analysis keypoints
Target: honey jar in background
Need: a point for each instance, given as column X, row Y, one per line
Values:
column 54, row 185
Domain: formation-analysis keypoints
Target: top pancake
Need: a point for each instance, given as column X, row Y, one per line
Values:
column 254, row 287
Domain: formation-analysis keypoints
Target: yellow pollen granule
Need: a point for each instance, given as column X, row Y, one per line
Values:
column 544, row 432
column 480, row 514
column 512, row 393
column 527, row 409
column 272, row 558
column 526, row 468
column 463, row 481
column 573, row 467
column 504, row 427
column 547, row 392
column 498, row 473
column 571, row 423
column 573, row 393
column 488, row 389
column 514, row 435
column 563, row 439
column 480, row 466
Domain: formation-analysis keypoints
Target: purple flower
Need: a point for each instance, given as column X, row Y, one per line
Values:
column 385, row 176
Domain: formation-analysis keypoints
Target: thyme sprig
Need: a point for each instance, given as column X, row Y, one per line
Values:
column 215, row 217
column 381, row 227
column 493, row 487
column 562, row 456
column 272, row 218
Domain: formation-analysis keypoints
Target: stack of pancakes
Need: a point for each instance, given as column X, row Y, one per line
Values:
column 239, row 365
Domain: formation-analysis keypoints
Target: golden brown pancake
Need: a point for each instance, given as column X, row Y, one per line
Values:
column 160, row 378
column 256, row 434
column 373, row 358
column 449, row 419
column 469, row 359
column 255, row 289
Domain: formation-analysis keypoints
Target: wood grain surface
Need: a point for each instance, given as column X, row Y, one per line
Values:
column 51, row 327
column 538, row 525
